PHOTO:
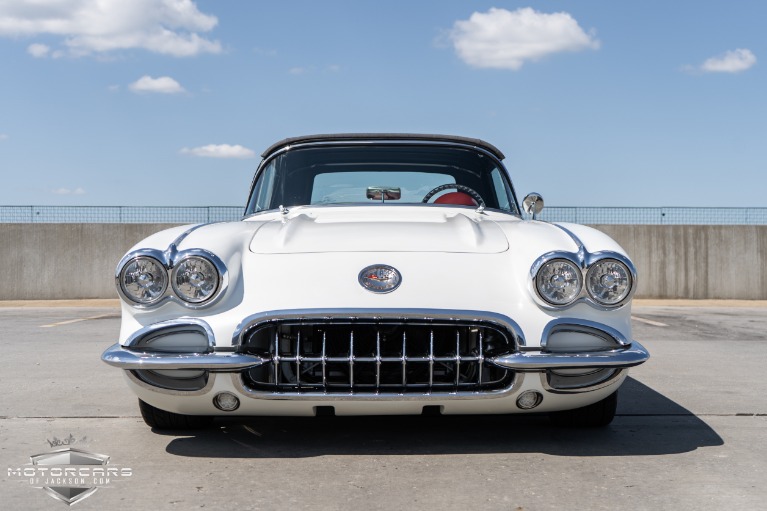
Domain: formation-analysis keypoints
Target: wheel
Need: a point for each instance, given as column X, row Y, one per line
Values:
column 160, row 419
column 595, row 415
column 453, row 186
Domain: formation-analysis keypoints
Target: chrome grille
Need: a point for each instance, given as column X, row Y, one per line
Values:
column 377, row 356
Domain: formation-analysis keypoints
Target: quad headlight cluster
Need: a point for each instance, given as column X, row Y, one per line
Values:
column 195, row 278
column 606, row 281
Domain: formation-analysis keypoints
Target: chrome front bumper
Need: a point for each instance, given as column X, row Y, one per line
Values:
column 131, row 359
column 222, row 361
column 185, row 350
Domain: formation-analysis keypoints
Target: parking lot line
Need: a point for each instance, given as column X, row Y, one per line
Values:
column 648, row 321
column 70, row 321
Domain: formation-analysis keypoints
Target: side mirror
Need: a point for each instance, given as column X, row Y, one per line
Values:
column 533, row 204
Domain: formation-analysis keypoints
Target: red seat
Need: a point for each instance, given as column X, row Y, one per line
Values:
column 457, row 198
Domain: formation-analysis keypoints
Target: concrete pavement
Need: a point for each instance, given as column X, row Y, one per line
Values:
column 689, row 433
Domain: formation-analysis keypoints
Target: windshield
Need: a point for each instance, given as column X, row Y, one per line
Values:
column 382, row 174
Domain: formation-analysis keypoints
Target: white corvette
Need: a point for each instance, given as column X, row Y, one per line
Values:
column 377, row 274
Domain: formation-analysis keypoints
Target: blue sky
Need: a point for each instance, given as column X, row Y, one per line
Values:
column 595, row 103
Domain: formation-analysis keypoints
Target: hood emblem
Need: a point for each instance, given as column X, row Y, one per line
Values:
column 380, row 278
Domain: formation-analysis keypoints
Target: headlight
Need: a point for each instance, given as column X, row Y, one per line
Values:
column 195, row 279
column 143, row 280
column 608, row 281
column 559, row 281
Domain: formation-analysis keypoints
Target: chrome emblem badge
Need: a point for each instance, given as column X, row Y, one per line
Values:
column 380, row 278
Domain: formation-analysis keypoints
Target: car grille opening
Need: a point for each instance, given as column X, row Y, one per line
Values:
column 377, row 356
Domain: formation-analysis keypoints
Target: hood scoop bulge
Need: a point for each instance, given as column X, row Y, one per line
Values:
column 366, row 230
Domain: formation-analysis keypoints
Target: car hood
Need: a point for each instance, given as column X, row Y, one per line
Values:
column 379, row 229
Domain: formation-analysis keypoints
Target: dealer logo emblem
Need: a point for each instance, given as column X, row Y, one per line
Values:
column 70, row 475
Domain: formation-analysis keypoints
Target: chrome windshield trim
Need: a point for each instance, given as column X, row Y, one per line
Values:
column 125, row 358
column 352, row 313
column 538, row 360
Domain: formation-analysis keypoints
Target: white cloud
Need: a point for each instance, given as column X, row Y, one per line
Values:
column 69, row 191
column 220, row 151
column 38, row 50
column 298, row 70
column 170, row 27
column 162, row 84
column 3, row 136
column 733, row 61
column 505, row 39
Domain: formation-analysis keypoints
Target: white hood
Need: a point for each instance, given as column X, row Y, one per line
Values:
column 380, row 229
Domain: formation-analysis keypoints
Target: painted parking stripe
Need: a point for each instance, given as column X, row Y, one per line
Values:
column 70, row 321
column 648, row 321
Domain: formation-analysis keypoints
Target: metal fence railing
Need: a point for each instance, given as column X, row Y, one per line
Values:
column 183, row 215
column 118, row 214
column 657, row 216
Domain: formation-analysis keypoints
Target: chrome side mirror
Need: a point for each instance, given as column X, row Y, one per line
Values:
column 533, row 204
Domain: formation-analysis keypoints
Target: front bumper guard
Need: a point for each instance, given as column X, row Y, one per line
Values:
column 131, row 359
column 528, row 360
column 537, row 360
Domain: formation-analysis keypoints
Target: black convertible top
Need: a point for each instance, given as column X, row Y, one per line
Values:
column 342, row 137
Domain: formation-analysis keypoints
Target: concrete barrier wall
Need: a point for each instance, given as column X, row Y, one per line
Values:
column 696, row 261
column 68, row 261
column 64, row 261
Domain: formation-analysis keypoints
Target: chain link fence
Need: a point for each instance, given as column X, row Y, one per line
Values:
column 188, row 215
column 657, row 216
column 118, row 214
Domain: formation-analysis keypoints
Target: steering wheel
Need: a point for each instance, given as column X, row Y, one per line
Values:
column 461, row 188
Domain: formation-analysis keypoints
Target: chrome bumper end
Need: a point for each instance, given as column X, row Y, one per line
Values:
column 129, row 359
column 537, row 360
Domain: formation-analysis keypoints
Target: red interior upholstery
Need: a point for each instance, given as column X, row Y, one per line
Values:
column 457, row 198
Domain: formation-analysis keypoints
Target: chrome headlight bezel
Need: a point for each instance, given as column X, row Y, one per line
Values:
column 159, row 274
column 584, row 261
column 206, row 259
column 169, row 260
column 570, row 269
column 595, row 294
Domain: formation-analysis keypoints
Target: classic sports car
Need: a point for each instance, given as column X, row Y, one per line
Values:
column 377, row 274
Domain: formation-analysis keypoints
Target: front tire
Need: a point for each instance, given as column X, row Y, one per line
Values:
column 162, row 420
column 595, row 415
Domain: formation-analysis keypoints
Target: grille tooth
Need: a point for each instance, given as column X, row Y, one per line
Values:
column 457, row 357
column 298, row 358
column 351, row 359
column 375, row 356
column 378, row 359
column 404, row 359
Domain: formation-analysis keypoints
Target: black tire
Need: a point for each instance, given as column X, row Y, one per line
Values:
column 160, row 419
column 595, row 415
